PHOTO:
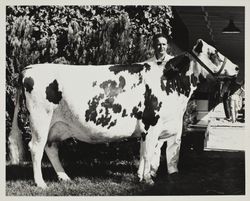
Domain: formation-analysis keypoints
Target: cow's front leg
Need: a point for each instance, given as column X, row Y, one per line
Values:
column 148, row 144
column 146, row 173
column 52, row 153
column 141, row 164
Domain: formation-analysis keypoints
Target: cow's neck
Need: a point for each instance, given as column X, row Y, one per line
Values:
column 180, row 76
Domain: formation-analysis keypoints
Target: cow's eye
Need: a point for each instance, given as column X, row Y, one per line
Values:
column 218, row 57
column 214, row 57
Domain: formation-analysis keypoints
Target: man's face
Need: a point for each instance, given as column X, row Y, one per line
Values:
column 161, row 47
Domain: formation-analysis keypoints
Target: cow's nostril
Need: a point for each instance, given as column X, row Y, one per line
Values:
column 237, row 68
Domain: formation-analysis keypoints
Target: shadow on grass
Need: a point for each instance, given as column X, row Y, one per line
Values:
column 25, row 172
column 88, row 169
column 205, row 173
column 83, row 160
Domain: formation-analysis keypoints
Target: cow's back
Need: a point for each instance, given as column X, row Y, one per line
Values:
column 90, row 103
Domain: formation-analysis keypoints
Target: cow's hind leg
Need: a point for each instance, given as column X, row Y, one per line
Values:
column 148, row 145
column 39, row 123
column 52, row 153
column 141, row 163
column 144, row 166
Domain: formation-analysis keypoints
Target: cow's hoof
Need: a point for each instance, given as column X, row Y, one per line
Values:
column 140, row 178
column 149, row 182
column 63, row 176
column 42, row 185
column 174, row 177
column 153, row 173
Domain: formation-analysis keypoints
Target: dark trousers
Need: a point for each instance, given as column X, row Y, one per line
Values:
column 226, row 104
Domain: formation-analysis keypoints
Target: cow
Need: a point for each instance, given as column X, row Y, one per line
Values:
column 106, row 103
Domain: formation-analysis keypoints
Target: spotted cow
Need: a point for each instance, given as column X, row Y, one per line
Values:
column 105, row 103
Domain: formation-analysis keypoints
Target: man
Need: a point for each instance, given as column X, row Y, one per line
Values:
column 225, row 93
column 161, row 57
column 231, row 101
column 160, row 45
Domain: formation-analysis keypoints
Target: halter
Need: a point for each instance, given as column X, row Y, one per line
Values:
column 216, row 75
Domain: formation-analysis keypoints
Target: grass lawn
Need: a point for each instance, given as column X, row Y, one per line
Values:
column 207, row 173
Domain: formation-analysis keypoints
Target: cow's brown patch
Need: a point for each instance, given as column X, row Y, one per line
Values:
column 143, row 136
column 214, row 58
column 176, row 66
column 174, row 76
column 131, row 68
column 124, row 113
column 198, row 47
column 136, row 113
column 91, row 113
column 151, row 103
column 28, row 84
column 94, row 83
column 151, row 106
column 52, row 93
column 111, row 89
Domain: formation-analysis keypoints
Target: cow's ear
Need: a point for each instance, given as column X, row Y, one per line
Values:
column 198, row 46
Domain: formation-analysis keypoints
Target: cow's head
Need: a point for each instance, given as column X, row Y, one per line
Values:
column 214, row 60
column 186, row 69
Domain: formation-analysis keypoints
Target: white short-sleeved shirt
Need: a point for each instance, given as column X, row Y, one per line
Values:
column 160, row 61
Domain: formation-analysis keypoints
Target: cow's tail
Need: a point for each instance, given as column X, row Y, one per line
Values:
column 16, row 148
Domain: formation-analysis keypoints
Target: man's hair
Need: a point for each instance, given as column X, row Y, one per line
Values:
column 159, row 35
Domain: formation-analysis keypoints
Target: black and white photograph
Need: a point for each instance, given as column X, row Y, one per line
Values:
column 119, row 99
